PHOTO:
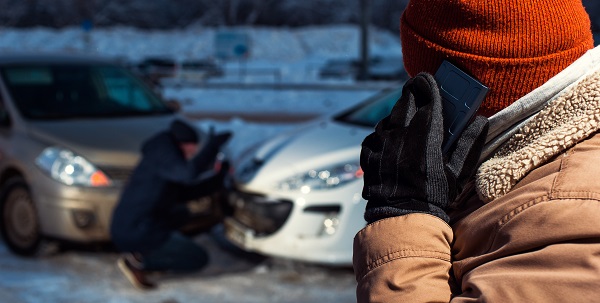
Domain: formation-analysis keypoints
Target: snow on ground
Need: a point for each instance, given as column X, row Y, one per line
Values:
column 81, row 276
column 268, row 46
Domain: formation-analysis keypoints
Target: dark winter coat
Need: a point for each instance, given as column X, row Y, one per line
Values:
column 151, row 205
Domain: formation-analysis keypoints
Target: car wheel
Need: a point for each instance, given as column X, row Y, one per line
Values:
column 19, row 220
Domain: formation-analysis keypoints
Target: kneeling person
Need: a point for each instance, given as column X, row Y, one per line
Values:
column 174, row 168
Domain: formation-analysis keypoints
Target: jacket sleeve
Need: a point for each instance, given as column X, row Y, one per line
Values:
column 174, row 168
column 404, row 259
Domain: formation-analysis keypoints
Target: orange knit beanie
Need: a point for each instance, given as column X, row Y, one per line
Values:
column 511, row 46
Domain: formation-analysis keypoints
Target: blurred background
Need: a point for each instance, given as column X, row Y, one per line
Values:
column 165, row 33
column 177, row 14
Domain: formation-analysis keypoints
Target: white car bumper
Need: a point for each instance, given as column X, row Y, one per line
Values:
column 318, row 227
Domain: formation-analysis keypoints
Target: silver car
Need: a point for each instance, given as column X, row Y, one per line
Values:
column 71, row 128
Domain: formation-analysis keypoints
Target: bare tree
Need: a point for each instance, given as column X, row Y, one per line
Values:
column 181, row 13
column 260, row 7
column 14, row 11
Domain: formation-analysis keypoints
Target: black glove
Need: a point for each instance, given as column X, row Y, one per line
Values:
column 211, row 144
column 404, row 168
column 223, row 137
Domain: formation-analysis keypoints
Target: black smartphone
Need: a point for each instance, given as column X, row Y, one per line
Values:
column 461, row 95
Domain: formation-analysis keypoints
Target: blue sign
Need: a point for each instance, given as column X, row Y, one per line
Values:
column 232, row 45
column 87, row 25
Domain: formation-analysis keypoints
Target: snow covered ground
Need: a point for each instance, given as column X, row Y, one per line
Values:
column 91, row 276
column 81, row 276
column 282, row 47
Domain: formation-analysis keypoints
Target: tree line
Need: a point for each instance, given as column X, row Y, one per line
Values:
column 171, row 14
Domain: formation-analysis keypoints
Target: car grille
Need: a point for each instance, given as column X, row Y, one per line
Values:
column 258, row 213
column 119, row 175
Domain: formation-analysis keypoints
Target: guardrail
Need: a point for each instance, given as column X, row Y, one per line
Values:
column 366, row 85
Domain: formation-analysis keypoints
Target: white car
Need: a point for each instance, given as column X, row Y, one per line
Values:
column 298, row 195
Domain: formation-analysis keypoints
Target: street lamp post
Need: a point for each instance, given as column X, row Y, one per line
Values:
column 365, row 16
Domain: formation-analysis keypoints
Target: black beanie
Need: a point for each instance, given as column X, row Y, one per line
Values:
column 183, row 132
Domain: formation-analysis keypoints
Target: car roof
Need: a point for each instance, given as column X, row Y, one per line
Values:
column 53, row 58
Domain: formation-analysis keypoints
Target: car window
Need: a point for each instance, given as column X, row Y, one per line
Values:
column 123, row 89
column 371, row 111
column 74, row 91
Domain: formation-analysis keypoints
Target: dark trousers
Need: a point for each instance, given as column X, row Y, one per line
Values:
column 178, row 253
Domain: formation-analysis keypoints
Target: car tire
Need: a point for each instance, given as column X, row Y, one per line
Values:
column 19, row 221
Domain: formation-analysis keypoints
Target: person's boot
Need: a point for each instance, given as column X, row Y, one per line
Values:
column 134, row 274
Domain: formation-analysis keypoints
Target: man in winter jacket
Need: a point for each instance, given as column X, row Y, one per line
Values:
column 512, row 212
column 174, row 168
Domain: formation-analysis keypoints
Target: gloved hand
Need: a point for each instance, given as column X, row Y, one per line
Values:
column 223, row 137
column 404, row 168
column 211, row 144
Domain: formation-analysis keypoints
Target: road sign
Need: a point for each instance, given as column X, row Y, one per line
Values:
column 87, row 25
column 232, row 45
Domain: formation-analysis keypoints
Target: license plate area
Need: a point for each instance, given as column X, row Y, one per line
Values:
column 237, row 233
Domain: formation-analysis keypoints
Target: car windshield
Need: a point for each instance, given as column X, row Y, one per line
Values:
column 371, row 111
column 65, row 91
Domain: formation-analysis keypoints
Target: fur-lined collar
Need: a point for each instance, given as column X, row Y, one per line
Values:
column 566, row 120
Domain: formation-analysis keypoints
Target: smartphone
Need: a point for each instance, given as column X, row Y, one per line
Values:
column 461, row 97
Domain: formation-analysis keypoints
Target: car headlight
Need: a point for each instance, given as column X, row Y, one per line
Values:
column 324, row 178
column 71, row 169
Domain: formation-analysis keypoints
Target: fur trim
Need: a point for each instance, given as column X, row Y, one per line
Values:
column 565, row 121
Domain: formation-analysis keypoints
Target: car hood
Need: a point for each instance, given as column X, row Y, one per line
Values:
column 319, row 145
column 112, row 142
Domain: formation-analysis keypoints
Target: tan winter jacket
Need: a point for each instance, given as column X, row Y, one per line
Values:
column 526, row 230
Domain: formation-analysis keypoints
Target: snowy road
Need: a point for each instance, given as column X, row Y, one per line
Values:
column 91, row 276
